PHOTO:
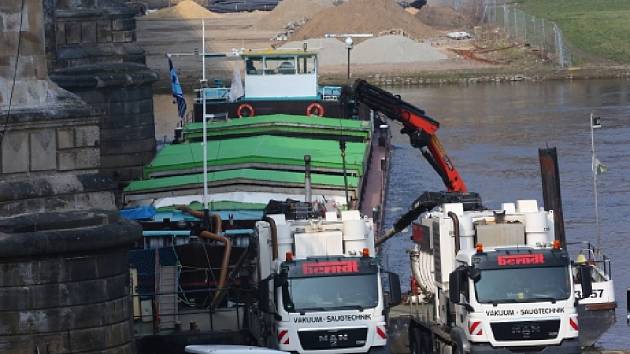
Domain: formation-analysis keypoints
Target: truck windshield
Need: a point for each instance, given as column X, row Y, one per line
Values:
column 329, row 293
column 529, row 284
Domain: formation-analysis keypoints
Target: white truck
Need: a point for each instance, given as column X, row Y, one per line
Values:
column 321, row 288
column 492, row 281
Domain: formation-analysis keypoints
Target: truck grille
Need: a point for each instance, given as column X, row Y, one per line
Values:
column 327, row 339
column 526, row 330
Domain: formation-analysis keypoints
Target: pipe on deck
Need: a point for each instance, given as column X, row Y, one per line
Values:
column 217, row 227
column 216, row 236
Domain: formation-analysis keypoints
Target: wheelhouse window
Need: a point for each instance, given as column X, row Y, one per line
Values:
column 254, row 66
column 280, row 66
column 306, row 64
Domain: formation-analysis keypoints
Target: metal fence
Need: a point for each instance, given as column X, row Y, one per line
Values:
column 522, row 27
column 517, row 25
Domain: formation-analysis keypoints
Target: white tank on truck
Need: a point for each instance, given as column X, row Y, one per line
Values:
column 321, row 288
column 492, row 281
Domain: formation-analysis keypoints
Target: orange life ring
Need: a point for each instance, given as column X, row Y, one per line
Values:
column 315, row 109
column 245, row 110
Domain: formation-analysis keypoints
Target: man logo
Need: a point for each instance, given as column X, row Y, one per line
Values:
column 333, row 339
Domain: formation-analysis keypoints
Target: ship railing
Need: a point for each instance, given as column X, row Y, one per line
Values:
column 169, row 312
column 213, row 94
column 595, row 257
column 168, row 292
column 331, row 93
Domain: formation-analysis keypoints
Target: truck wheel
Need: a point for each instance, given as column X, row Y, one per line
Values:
column 380, row 350
column 456, row 349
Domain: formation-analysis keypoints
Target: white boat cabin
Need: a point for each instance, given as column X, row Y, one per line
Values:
column 280, row 74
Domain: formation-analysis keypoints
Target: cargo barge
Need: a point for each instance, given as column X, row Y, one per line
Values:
column 188, row 290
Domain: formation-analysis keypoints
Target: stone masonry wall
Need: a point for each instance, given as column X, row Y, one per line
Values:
column 46, row 129
column 49, row 138
column 98, row 59
column 90, row 36
column 31, row 83
column 38, row 144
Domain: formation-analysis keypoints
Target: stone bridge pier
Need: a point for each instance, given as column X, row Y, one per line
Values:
column 76, row 112
column 97, row 58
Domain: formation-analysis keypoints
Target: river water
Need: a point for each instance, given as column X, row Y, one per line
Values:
column 493, row 132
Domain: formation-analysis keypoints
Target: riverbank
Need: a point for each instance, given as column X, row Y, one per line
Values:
column 494, row 58
column 483, row 75
column 392, row 76
column 596, row 30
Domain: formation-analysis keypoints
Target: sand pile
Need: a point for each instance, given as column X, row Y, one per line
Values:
column 364, row 16
column 185, row 10
column 443, row 17
column 289, row 11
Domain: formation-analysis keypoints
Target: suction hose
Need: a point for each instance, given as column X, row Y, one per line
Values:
column 216, row 236
column 217, row 227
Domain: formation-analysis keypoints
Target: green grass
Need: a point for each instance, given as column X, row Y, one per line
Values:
column 599, row 28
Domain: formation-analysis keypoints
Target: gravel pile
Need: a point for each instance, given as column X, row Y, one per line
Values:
column 364, row 16
column 379, row 50
column 292, row 11
column 330, row 50
column 394, row 49
column 185, row 10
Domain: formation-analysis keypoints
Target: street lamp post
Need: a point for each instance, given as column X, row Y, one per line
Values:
column 348, row 42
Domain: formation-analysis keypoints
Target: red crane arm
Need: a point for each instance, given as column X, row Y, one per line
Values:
column 421, row 129
column 423, row 123
column 456, row 182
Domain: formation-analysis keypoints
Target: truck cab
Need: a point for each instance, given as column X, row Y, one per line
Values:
column 492, row 281
column 515, row 297
column 325, row 291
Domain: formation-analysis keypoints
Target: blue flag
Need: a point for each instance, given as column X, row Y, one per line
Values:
column 176, row 88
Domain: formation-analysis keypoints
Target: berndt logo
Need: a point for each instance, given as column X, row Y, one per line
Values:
column 333, row 339
column 521, row 259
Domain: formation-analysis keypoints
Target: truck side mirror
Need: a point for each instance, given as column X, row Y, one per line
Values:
column 455, row 286
column 395, row 296
column 263, row 295
column 586, row 281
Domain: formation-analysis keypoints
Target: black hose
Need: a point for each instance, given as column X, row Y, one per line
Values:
column 274, row 237
column 455, row 219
